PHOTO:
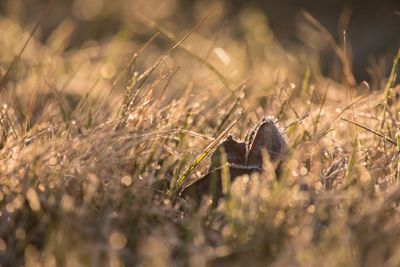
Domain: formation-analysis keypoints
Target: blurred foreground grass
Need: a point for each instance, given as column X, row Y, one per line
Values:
column 94, row 138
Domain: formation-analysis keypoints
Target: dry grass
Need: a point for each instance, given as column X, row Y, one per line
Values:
column 93, row 144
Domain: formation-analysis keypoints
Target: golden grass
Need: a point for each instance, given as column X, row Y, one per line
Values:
column 94, row 142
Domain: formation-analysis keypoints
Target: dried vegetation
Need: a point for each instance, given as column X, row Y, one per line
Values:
column 97, row 143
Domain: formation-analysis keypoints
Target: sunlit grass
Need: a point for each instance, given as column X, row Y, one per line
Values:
column 96, row 140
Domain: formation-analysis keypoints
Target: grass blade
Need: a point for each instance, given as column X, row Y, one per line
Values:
column 372, row 131
column 17, row 58
column 389, row 86
column 206, row 151
column 152, row 24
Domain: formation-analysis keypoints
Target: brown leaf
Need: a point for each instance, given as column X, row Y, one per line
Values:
column 211, row 183
column 265, row 136
column 241, row 160
column 235, row 153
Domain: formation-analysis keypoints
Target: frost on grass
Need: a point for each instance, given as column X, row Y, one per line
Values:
column 90, row 147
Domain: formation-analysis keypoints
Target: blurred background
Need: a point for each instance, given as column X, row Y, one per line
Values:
column 249, row 31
